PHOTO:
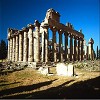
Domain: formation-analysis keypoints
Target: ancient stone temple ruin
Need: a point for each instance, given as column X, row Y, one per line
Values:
column 32, row 43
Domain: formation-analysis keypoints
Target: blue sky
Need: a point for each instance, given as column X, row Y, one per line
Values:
column 83, row 14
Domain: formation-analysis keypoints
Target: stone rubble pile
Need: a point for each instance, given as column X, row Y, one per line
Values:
column 88, row 65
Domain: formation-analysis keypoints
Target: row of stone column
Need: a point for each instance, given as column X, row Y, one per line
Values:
column 45, row 51
column 24, row 45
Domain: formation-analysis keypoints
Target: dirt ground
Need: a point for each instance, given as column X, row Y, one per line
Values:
column 29, row 83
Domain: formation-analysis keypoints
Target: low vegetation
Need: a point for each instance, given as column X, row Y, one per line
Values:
column 29, row 83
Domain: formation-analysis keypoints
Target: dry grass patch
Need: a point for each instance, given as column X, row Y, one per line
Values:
column 29, row 81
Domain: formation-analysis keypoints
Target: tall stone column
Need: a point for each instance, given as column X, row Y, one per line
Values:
column 17, row 48
column 25, row 53
column 54, row 43
column 71, row 47
column 90, row 49
column 30, row 36
column 14, row 42
column 78, row 49
column 20, row 46
column 45, row 41
column 43, row 47
column 9, row 43
column 11, row 48
column 81, row 49
column 75, row 44
column 66, row 46
column 37, row 41
column 8, row 49
column 60, row 46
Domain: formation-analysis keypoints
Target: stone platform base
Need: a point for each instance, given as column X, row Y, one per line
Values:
column 34, row 65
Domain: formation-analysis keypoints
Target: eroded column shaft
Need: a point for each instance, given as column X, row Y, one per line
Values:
column 11, row 48
column 78, row 49
column 20, row 47
column 25, row 54
column 54, row 44
column 30, row 34
column 66, row 46
column 8, row 49
column 75, row 44
column 71, row 48
column 13, row 55
column 60, row 47
column 82, row 50
column 37, row 42
column 17, row 48
column 43, row 47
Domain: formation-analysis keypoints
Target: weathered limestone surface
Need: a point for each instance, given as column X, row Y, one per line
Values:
column 43, row 47
column 60, row 46
column 37, row 42
column 11, row 49
column 30, row 36
column 66, row 46
column 70, row 70
column 20, row 46
column 54, row 43
column 65, row 70
column 61, row 69
column 45, row 40
column 8, row 49
column 25, row 53
column 14, row 44
column 17, row 48
column 32, row 44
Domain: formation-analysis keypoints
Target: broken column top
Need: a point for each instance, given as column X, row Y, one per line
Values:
column 52, row 14
column 91, row 41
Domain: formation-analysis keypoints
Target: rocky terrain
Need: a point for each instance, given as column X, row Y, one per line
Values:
column 26, row 82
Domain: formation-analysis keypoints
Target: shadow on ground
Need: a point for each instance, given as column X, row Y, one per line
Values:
column 9, row 83
column 85, row 89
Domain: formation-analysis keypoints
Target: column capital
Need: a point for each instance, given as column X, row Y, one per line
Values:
column 30, row 26
column 46, row 26
column 75, row 37
column 20, row 31
column 25, row 29
column 70, row 35
column 60, row 31
column 54, row 29
column 66, row 33
column 36, row 23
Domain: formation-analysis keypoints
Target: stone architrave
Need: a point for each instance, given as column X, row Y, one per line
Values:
column 25, row 53
column 60, row 46
column 30, row 36
column 37, row 41
column 20, row 46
